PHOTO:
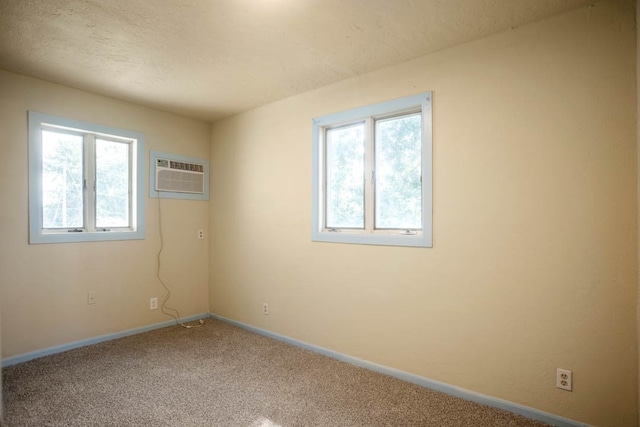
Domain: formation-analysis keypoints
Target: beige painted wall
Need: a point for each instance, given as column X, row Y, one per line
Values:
column 534, row 264
column 44, row 287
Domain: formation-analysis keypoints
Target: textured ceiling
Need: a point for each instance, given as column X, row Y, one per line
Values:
column 213, row 58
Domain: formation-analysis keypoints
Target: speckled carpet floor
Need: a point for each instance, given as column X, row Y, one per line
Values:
column 221, row 375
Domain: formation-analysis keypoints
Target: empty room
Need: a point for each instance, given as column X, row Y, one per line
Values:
column 263, row 213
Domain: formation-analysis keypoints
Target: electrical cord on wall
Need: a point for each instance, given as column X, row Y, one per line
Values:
column 169, row 311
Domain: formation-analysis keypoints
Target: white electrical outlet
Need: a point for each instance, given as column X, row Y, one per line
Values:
column 153, row 303
column 200, row 234
column 265, row 308
column 564, row 379
column 91, row 298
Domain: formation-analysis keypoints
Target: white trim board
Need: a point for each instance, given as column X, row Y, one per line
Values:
column 14, row 360
column 451, row 390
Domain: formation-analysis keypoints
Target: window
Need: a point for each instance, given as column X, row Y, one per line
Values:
column 372, row 174
column 85, row 181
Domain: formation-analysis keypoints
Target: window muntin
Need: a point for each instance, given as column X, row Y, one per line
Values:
column 396, row 183
column 85, row 181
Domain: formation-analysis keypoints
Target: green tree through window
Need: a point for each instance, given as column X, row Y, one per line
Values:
column 86, row 181
column 398, row 189
column 372, row 174
column 62, row 180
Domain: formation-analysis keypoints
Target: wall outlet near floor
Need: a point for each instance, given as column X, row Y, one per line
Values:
column 564, row 379
column 91, row 298
column 153, row 303
column 265, row 308
column 200, row 234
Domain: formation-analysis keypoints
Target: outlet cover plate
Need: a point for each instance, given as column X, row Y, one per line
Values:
column 564, row 379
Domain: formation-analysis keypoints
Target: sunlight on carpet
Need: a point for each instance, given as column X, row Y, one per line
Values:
column 264, row 422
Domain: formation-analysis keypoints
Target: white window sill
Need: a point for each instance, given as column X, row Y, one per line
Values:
column 416, row 240
column 43, row 237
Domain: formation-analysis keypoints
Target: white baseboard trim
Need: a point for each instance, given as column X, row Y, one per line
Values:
column 462, row 393
column 95, row 340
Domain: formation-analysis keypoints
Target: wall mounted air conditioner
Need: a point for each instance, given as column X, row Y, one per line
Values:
column 179, row 177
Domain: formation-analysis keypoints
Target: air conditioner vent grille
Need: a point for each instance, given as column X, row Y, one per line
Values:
column 179, row 177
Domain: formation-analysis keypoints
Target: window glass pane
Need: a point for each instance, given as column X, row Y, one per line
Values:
column 62, row 182
column 398, row 201
column 112, row 184
column 345, row 177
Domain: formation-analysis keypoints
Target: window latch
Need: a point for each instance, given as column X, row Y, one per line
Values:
column 333, row 230
column 103, row 229
column 75, row 230
column 409, row 233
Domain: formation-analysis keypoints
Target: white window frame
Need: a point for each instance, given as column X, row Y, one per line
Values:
column 38, row 234
column 370, row 236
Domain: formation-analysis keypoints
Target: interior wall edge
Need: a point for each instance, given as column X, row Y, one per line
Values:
column 439, row 386
column 21, row 358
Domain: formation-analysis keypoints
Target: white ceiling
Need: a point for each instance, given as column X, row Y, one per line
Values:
column 213, row 58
